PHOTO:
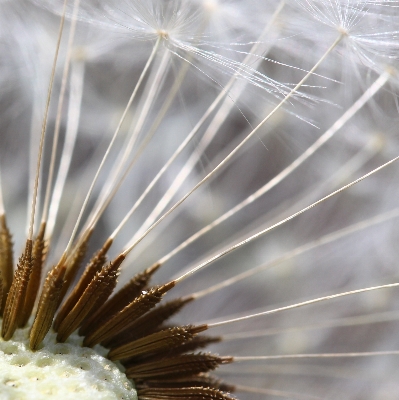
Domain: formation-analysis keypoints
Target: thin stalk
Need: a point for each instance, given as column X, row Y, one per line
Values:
column 321, row 241
column 57, row 127
column 34, row 135
column 74, row 109
column 292, row 216
column 302, row 304
column 321, row 355
column 178, row 151
column 212, row 130
column 2, row 211
column 370, row 92
column 275, row 393
column 130, row 246
column 376, row 318
column 110, row 189
column 44, row 125
column 133, row 95
column 302, row 199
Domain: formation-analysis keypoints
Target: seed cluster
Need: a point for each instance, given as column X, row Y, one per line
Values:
column 162, row 359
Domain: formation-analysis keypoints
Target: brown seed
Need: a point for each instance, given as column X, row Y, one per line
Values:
column 38, row 256
column 16, row 296
column 120, row 300
column 96, row 293
column 192, row 393
column 149, row 322
column 142, row 304
column 179, row 366
column 95, row 265
column 74, row 264
column 161, row 341
column 6, row 260
column 202, row 380
column 48, row 303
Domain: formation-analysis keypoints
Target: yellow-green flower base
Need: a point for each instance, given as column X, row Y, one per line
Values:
column 60, row 371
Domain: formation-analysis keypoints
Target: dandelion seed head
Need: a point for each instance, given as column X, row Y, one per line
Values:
column 243, row 115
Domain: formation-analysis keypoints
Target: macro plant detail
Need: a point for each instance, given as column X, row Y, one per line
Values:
column 207, row 190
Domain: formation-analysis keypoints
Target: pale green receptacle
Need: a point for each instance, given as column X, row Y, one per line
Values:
column 59, row 371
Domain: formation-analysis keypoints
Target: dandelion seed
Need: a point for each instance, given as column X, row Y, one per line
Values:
column 175, row 136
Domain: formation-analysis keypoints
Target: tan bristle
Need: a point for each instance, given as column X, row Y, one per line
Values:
column 192, row 393
column 149, row 322
column 96, row 293
column 16, row 296
column 197, row 343
column 162, row 341
column 6, row 260
column 1, row 288
column 138, row 307
column 179, row 366
column 201, row 380
column 74, row 265
column 48, row 303
column 38, row 255
column 94, row 266
column 119, row 300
